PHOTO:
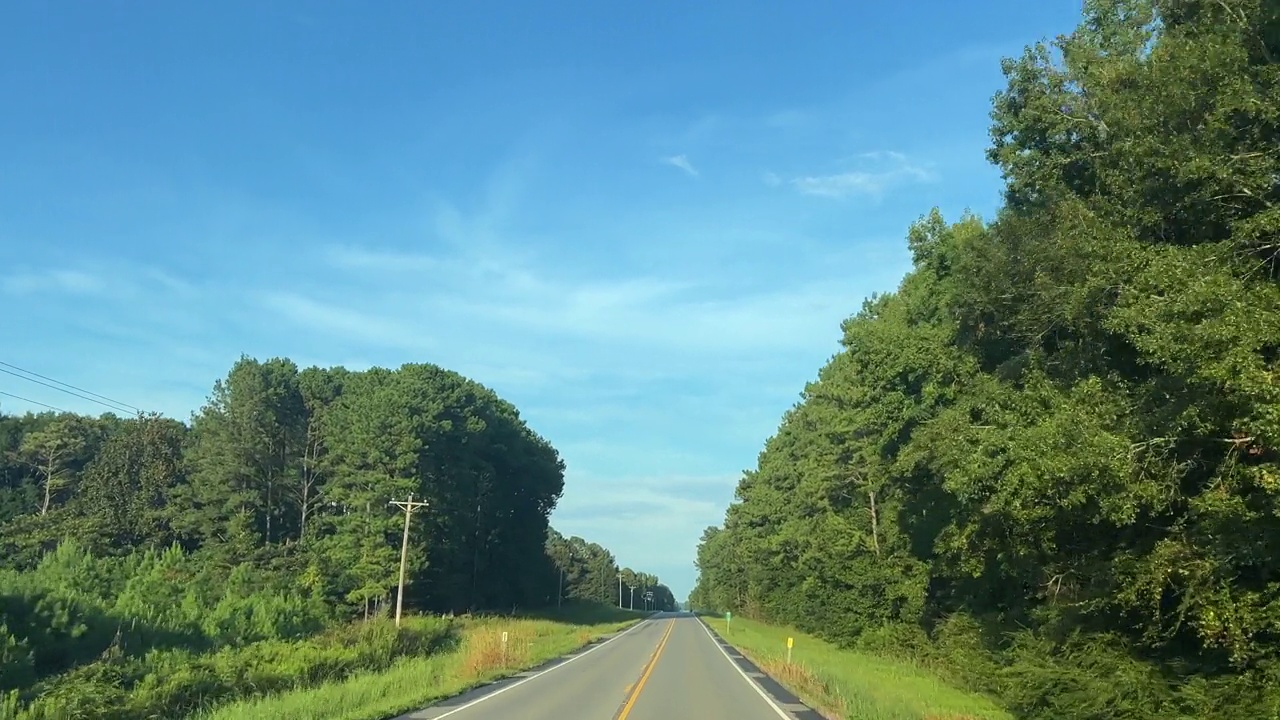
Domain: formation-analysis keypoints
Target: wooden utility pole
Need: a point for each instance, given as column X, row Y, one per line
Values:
column 409, row 506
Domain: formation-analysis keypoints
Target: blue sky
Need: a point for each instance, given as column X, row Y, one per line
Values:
column 641, row 223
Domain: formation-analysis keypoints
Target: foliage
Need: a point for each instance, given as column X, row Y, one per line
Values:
column 1055, row 449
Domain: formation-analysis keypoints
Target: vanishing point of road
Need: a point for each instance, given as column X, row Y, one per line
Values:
column 667, row 667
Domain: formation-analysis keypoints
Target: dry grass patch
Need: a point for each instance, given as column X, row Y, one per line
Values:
column 806, row 683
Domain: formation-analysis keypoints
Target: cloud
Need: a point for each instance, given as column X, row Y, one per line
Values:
column 683, row 163
column 344, row 321
column 841, row 185
column 355, row 258
column 479, row 271
column 653, row 313
column 63, row 281
column 889, row 169
column 116, row 280
column 789, row 119
column 668, row 512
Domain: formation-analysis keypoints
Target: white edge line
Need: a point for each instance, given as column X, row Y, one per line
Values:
column 754, row 685
column 518, row 683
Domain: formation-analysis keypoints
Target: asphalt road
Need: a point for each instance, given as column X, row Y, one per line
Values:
column 668, row 667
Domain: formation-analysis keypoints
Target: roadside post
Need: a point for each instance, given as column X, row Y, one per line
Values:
column 790, row 642
column 504, row 648
column 728, row 621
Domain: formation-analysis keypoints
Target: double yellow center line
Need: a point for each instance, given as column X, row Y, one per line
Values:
column 648, row 670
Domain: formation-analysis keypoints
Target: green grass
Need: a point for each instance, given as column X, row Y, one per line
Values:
column 411, row 683
column 856, row 686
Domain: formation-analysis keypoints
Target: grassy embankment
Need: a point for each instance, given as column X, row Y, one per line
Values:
column 848, row 684
column 475, row 657
column 355, row 670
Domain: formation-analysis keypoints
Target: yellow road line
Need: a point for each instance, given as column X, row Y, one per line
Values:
column 644, row 677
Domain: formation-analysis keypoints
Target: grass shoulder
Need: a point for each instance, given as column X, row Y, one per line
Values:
column 476, row 656
column 842, row 683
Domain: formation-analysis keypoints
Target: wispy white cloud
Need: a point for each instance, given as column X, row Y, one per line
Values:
column 356, row 258
column 347, row 322
column 841, row 184
column 789, row 119
column 108, row 279
column 61, row 281
column 682, row 162
column 893, row 155
column 172, row 284
column 883, row 170
column 653, row 312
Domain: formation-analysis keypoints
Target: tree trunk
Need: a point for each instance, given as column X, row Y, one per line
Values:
column 48, row 471
column 310, row 457
column 268, row 510
column 875, row 523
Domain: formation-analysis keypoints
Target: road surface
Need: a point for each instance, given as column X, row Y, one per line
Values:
column 668, row 667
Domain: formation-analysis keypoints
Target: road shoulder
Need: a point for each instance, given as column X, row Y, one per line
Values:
column 780, row 695
column 493, row 687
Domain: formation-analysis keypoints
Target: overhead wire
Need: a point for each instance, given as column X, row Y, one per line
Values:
column 55, row 387
column 94, row 397
column 69, row 385
column 33, row 402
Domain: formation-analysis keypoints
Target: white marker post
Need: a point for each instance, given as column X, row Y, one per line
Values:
column 790, row 642
column 728, row 621
column 504, row 648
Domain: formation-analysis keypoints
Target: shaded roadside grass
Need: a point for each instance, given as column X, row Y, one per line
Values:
column 414, row 682
column 852, row 685
column 173, row 682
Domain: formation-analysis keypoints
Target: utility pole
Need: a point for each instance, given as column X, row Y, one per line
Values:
column 560, row 590
column 409, row 506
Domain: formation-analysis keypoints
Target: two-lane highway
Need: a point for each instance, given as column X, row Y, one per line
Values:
column 667, row 667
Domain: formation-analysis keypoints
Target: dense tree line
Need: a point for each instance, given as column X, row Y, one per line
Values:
column 295, row 469
column 267, row 517
column 589, row 573
column 1050, row 461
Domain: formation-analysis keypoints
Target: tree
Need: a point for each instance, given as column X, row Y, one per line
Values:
column 1055, row 445
column 319, row 388
column 55, row 453
column 248, row 444
column 124, row 500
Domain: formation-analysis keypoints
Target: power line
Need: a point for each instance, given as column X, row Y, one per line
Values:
column 33, row 402
column 113, row 404
column 73, row 387
column 55, row 387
